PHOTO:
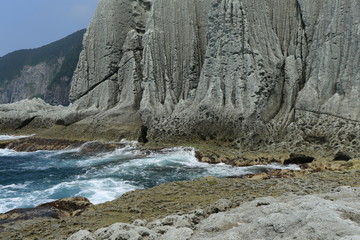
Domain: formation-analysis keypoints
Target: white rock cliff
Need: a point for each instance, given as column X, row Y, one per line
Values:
column 252, row 73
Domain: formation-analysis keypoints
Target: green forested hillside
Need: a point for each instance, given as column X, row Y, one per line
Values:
column 67, row 48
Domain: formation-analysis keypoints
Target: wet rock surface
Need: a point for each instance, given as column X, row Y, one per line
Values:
column 71, row 206
column 97, row 147
column 35, row 144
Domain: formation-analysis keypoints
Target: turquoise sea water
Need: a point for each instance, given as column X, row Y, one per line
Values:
column 28, row 179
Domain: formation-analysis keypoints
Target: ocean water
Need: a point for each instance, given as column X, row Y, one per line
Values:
column 28, row 179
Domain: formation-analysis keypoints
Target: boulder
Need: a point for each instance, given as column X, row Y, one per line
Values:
column 126, row 232
column 177, row 234
column 72, row 206
column 219, row 206
column 82, row 235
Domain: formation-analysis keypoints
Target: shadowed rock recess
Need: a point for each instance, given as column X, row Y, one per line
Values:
column 276, row 74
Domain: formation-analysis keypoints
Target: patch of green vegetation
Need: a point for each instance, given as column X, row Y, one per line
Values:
column 12, row 63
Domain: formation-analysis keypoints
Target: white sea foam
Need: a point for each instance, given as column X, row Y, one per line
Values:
column 175, row 152
column 101, row 159
column 6, row 204
column 96, row 190
column 103, row 190
column 15, row 186
column 185, row 157
column 24, row 200
column 12, row 137
column 6, row 152
column 128, row 151
column 129, row 142
column 109, row 175
column 10, row 152
column 279, row 166
column 54, row 153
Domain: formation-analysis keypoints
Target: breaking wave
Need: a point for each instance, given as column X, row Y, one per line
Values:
column 28, row 179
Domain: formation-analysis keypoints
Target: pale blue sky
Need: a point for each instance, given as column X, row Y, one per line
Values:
column 33, row 23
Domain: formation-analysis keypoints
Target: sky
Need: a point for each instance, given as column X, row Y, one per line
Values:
column 28, row 24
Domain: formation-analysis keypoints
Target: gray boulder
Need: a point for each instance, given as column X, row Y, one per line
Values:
column 126, row 232
column 177, row 234
column 82, row 235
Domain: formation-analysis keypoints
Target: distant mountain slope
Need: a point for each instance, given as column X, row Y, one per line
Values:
column 43, row 72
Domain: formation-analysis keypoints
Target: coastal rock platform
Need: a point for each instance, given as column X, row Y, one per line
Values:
column 335, row 215
column 181, row 198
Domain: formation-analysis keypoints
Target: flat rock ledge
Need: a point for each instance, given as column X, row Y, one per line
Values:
column 334, row 215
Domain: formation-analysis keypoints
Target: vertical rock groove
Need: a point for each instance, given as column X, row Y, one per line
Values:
column 229, row 69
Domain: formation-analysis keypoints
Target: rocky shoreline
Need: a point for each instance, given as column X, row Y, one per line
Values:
column 181, row 198
column 243, row 82
column 334, row 215
column 309, row 162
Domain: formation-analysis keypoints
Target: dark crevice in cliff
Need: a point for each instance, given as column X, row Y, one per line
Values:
column 304, row 55
column 107, row 77
column 25, row 123
column 200, row 49
column 328, row 114
column 282, row 78
column 138, row 54
column 146, row 5
column 143, row 134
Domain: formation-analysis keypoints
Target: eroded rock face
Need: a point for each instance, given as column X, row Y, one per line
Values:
column 108, row 66
column 32, row 81
column 280, row 73
column 33, row 112
column 235, row 70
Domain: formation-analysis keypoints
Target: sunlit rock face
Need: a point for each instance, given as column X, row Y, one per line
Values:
column 257, row 74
